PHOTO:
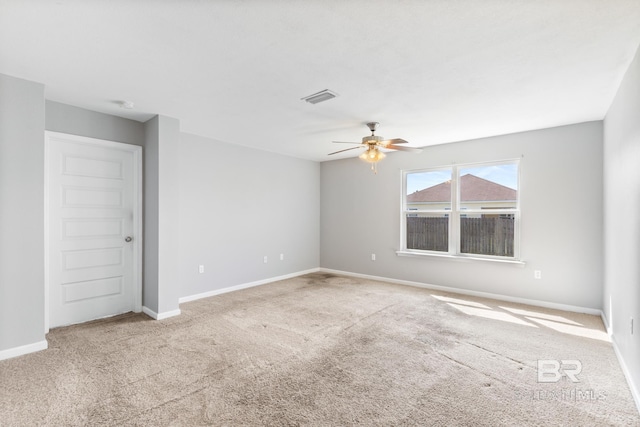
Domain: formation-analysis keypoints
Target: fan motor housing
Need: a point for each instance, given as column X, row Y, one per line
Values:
column 371, row 139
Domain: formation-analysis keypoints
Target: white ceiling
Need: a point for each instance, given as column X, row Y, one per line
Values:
column 431, row 71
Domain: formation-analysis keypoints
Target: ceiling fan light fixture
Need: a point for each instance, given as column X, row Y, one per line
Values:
column 372, row 143
column 323, row 95
column 372, row 155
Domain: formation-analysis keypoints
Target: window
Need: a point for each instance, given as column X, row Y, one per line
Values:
column 465, row 210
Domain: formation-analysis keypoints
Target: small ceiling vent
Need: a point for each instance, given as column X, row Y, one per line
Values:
column 323, row 95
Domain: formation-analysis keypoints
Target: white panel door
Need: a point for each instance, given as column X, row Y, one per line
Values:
column 93, row 228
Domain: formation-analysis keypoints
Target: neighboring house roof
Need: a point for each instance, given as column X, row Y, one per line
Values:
column 473, row 188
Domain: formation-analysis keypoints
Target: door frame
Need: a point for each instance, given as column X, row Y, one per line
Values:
column 137, row 212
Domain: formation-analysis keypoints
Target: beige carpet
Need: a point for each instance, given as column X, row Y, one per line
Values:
column 321, row 350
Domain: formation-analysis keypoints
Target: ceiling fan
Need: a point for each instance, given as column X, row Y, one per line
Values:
column 373, row 143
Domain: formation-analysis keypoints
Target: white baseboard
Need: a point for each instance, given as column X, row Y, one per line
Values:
column 23, row 349
column 605, row 322
column 160, row 316
column 633, row 387
column 538, row 303
column 245, row 286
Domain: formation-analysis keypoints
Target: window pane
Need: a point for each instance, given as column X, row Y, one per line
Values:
column 428, row 232
column 492, row 187
column 487, row 235
column 429, row 190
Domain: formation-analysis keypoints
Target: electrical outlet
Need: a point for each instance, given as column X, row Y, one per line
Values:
column 201, row 269
column 373, row 257
column 266, row 259
column 537, row 274
column 281, row 257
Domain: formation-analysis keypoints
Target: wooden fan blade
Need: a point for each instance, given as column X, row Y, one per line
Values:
column 344, row 142
column 388, row 142
column 410, row 149
column 346, row 149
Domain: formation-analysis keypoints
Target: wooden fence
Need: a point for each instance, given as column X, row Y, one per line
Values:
column 428, row 234
column 486, row 235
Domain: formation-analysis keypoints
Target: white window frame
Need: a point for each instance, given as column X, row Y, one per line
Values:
column 455, row 213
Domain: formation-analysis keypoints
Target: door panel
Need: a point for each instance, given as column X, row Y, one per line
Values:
column 92, row 209
column 92, row 289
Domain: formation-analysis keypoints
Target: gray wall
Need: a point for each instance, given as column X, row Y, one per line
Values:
column 238, row 205
column 78, row 121
column 150, row 297
column 169, row 211
column 21, row 212
column 561, row 202
column 161, row 281
column 621, row 298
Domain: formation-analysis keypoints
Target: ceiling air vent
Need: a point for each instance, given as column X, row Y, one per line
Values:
column 323, row 95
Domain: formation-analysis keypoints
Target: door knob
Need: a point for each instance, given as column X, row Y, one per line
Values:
column 128, row 239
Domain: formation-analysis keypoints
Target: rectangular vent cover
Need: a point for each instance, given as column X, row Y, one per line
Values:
column 321, row 96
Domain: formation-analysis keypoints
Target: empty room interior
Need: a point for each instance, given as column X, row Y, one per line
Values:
column 320, row 212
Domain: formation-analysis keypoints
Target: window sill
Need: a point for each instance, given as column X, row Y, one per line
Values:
column 459, row 257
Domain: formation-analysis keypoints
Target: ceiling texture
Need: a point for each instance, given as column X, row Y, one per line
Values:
column 430, row 71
